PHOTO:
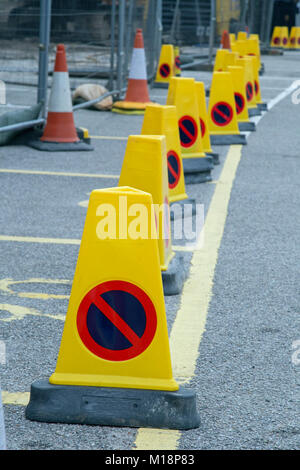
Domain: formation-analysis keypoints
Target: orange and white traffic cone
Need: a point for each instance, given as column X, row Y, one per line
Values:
column 225, row 41
column 60, row 133
column 137, row 94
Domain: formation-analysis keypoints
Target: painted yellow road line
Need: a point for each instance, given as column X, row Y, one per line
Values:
column 58, row 173
column 184, row 248
column 18, row 398
column 18, row 312
column 107, row 137
column 6, row 287
column 157, row 439
column 189, row 324
column 70, row 241
column 56, row 241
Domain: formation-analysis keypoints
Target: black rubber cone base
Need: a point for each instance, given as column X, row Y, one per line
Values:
column 228, row 139
column 215, row 157
column 33, row 141
column 105, row 406
column 197, row 170
column 177, row 209
column 60, row 146
column 263, row 106
column 160, row 85
column 262, row 69
column 174, row 277
column 247, row 126
column 254, row 112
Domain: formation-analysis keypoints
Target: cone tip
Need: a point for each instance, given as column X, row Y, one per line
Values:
column 61, row 61
column 139, row 41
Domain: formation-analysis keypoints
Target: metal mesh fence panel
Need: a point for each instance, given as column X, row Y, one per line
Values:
column 186, row 22
column 19, row 50
column 238, row 15
column 98, row 36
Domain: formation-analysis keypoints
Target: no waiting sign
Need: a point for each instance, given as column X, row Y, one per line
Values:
column 174, row 169
column 188, row 131
column 116, row 320
column 222, row 114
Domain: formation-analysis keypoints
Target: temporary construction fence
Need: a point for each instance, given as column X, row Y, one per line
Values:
column 200, row 24
column 98, row 36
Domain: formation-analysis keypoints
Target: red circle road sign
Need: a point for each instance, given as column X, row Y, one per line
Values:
column 239, row 102
column 174, row 169
column 116, row 320
column 177, row 62
column 222, row 113
column 164, row 70
column 249, row 91
column 202, row 128
column 188, row 131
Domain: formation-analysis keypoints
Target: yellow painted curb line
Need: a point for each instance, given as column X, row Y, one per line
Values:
column 18, row 398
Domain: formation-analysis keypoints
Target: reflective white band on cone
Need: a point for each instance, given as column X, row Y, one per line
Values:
column 138, row 65
column 60, row 100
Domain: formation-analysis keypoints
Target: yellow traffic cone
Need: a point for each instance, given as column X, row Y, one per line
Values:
column 166, row 66
column 276, row 37
column 177, row 61
column 222, row 118
column 200, row 89
column 114, row 365
column 232, row 38
column 241, row 48
column 182, row 94
column 257, row 88
column 229, row 60
column 280, row 37
column 239, row 88
column 145, row 168
column 294, row 40
column 220, row 60
column 247, row 63
column 284, row 37
column 242, row 36
column 255, row 50
column 163, row 120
